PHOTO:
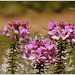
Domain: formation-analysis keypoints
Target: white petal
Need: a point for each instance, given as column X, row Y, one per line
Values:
column 31, row 58
column 55, row 37
column 73, row 40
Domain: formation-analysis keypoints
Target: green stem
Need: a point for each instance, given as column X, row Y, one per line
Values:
column 40, row 67
column 12, row 71
column 59, row 64
column 12, row 55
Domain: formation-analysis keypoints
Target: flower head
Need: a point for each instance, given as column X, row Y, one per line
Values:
column 17, row 28
column 61, row 31
column 39, row 51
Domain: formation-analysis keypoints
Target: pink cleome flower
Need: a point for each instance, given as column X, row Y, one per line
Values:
column 61, row 31
column 18, row 28
column 39, row 51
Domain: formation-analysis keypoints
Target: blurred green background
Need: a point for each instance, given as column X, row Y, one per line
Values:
column 38, row 13
column 14, row 8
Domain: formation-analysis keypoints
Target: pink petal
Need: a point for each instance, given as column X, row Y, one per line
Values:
column 43, row 57
column 20, row 28
column 2, row 33
column 55, row 37
column 21, row 38
column 11, row 36
column 73, row 40
column 5, row 28
column 50, row 33
column 16, row 31
column 8, row 35
column 31, row 57
column 13, row 21
column 8, row 21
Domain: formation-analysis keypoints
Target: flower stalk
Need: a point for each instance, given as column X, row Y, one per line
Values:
column 40, row 67
column 12, row 58
column 12, row 64
column 59, row 67
column 20, row 33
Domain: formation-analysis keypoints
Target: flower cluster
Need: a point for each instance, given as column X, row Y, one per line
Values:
column 61, row 31
column 40, row 51
column 18, row 28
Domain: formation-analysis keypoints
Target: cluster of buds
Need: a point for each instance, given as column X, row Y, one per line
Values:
column 61, row 31
column 40, row 51
column 17, row 28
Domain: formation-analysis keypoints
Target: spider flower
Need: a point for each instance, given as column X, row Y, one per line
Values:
column 39, row 51
column 17, row 28
column 61, row 31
